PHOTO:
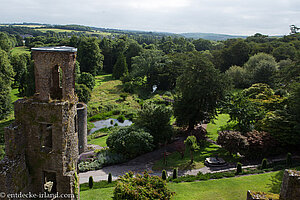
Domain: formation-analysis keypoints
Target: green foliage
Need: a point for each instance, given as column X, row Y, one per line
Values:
column 239, row 76
column 120, row 68
column 149, row 65
column 89, row 56
column 232, row 141
column 5, row 42
column 130, row 141
column 199, row 89
column 103, row 158
column 191, row 144
column 261, row 68
column 91, row 182
column 141, row 187
column 242, row 110
column 156, row 119
column 239, row 168
column 83, row 92
column 264, row 163
column 109, row 179
column 6, row 74
column 121, row 118
column 164, row 175
column 175, row 173
column 87, row 79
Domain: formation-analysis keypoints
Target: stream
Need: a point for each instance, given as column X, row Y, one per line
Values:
column 106, row 123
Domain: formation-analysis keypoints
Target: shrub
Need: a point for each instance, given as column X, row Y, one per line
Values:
column 87, row 79
column 109, row 180
column 260, row 144
column 121, row 118
column 191, row 143
column 156, row 119
column 289, row 160
column 141, row 187
column 123, row 96
column 83, row 92
column 232, row 141
column 130, row 141
column 264, row 163
column 164, row 175
column 91, row 182
column 239, row 168
column 175, row 173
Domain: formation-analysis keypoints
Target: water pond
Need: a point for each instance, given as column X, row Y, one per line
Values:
column 107, row 123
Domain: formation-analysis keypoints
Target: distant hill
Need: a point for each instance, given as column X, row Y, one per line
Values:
column 211, row 36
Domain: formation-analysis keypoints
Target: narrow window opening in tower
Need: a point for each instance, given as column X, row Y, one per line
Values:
column 56, row 82
column 46, row 137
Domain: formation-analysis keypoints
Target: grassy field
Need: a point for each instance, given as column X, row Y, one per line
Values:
column 44, row 30
column 221, row 189
column 106, row 98
column 213, row 127
column 20, row 50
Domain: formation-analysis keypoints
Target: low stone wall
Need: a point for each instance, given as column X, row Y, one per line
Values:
column 261, row 195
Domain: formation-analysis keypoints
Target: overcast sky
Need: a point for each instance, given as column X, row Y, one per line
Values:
column 239, row 17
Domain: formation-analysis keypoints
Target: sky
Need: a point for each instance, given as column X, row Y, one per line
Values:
column 236, row 17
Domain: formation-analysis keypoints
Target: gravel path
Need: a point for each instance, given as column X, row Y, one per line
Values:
column 145, row 162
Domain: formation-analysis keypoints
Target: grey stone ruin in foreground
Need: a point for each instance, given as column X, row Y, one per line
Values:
column 42, row 144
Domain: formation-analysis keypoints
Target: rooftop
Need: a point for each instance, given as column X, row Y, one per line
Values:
column 55, row 49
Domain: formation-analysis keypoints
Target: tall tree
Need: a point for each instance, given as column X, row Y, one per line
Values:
column 89, row 56
column 199, row 89
column 120, row 67
column 6, row 75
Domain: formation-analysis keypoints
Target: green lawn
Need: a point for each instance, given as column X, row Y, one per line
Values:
column 213, row 127
column 99, row 141
column 221, row 189
column 20, row 50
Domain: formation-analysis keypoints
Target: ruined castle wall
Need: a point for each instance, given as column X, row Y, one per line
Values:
column 290, row 188
column 45, row 64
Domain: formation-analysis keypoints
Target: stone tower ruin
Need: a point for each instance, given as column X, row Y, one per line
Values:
column 42, row 144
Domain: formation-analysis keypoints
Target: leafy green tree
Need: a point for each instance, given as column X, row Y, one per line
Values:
column 6, row 75
column 83, row 92
column 120, row 67
column 284, row 51
column 199, row 89
column 87, row 79
column 106, row 45
column 239, row 76
column 89, row 56
column 149, row 65
column 191, row 144
column 19, row 63
column 134, row 49
column 261, row 67
column 5, row 42
column 156, row 119
column 130, row 141
column 202, row 44
column 27, row 80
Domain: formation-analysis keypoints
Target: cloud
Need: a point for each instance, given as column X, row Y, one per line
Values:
column 231, row 16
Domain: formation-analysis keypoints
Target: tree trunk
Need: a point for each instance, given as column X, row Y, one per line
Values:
column 192, row 156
